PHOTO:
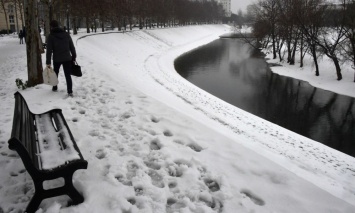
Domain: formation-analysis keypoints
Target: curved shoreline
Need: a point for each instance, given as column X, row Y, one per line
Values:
column 290, row 150
column 240, row 122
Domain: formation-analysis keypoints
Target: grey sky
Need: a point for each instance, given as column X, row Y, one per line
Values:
column 240, row 4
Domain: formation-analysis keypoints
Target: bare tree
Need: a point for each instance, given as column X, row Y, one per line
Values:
column 266, row 13
column 34, row 46
column 310, row 19
column 333, row 37
column 288, row 29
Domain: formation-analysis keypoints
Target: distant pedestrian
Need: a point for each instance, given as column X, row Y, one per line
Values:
column 60, row 44
column 20, row 35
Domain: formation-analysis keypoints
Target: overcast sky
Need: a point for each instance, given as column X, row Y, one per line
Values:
column 240, row 4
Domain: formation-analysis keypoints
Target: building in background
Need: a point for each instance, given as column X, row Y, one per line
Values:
column 14, row 17
column 226, row 6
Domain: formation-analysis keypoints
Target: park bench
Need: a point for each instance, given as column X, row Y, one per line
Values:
column 48, row 151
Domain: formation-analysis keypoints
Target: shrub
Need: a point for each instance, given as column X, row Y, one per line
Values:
column 20, row 84
column 3, row 31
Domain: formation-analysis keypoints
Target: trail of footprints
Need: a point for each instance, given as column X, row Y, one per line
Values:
column 162, row 172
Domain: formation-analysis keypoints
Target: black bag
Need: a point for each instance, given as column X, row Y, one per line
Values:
column 76, row 70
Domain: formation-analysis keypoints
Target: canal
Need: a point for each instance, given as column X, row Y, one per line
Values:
column 234, row 72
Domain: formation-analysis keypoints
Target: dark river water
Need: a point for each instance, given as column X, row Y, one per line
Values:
column 228, row 69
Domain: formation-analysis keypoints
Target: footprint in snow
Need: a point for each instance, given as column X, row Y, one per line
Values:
column 171, row 201
column 138, row 190
column 132, row 200
column 195, row 147
column 175, row 205
column 178, row 142
column 172, row 184
column 13, row 174
column 152, row 165
column 94, row 133
column 168, row 133
column 123, row 180
column 175, row 170
column 100, row 154
column 154, row 120
column 212, row 203
column 155, row 145
column 126, row 115
column 258, row 201
column 157, row 179
column 212, row 184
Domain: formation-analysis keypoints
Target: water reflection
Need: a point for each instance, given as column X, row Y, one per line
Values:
column 227, row 69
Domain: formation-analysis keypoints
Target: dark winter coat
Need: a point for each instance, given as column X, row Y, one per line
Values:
column 20, row 35
column 61, row 45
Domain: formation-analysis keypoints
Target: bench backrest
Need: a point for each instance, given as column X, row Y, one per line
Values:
column 24, row 129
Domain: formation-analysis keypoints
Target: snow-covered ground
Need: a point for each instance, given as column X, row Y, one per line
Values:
column 156, row 143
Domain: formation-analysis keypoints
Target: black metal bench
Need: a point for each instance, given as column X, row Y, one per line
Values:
column 36, row 137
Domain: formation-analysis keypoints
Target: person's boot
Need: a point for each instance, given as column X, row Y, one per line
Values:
column 55, row 88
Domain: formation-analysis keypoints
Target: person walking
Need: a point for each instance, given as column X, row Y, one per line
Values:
column 20, row 35
column 60, row 44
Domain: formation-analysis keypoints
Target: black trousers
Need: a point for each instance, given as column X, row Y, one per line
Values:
column 67, row 66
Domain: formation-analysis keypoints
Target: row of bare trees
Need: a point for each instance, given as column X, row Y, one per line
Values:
column 307, row 27
column 101, row 13
column 125, row 14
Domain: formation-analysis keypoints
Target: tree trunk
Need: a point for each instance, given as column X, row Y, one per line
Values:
column 352, row 41
column 279, row 47
column 314, row 55
column 47, row 19
column 22, row 15
column 87, row 25
column 130, row 23
column 34, row 46
column 292, row 62
column 17, row 27
column 75, row 30
column 273, row 47
column 289, row 51
column 337, row 67
column 301, row 51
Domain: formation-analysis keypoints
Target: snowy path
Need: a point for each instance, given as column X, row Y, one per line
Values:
column 156, row 143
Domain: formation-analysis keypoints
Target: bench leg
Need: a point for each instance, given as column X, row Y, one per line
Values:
column 72, row 192
column 34, row 203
